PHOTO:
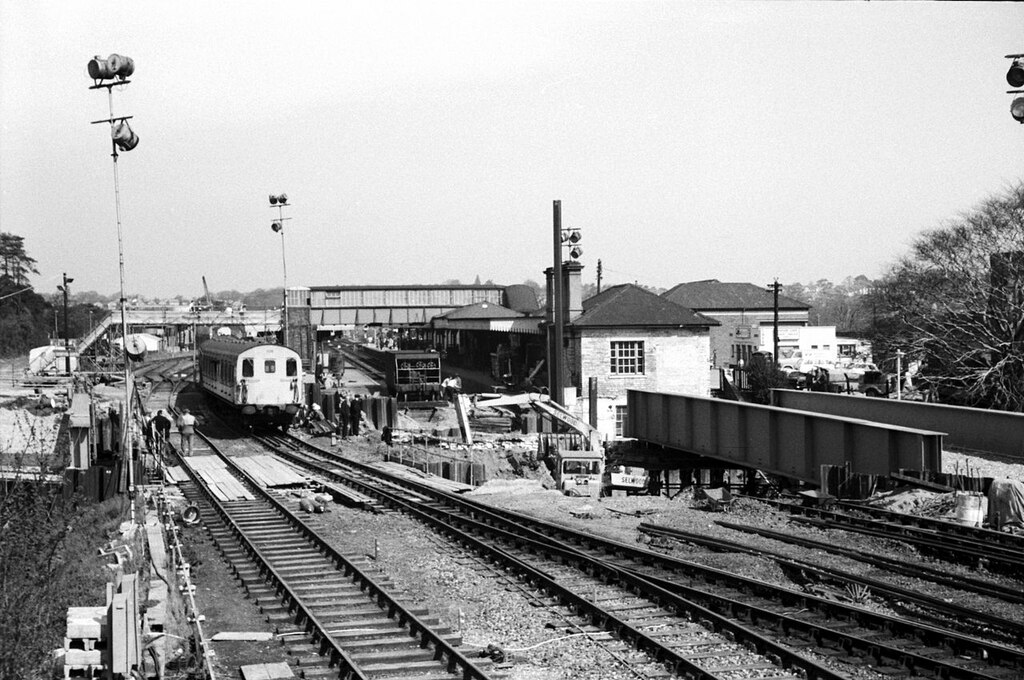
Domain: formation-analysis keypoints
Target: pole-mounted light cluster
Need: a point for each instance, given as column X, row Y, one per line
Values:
column 279, row 201
column 116, row 69
column 1015, row 78
column 570, row 240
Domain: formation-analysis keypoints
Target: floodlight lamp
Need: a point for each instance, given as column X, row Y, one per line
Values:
column 1017, row 109
column 273, row 200
column 575, row 236
column 121, row 66
column 283, row 199
column 276, row 226
column 124, row 137
column 575, row 252
column 1015, row 76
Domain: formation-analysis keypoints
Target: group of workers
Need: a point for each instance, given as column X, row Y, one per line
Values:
column 157, row 431
column 348, row 416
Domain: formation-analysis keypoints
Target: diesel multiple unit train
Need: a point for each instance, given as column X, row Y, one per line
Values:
column 261, row 383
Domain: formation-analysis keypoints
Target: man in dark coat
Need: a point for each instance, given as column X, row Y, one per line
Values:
column 344, row 416
column 161, row 429
column 355, row 414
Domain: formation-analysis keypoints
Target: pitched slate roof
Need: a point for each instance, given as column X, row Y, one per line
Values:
column 482, row 310
column 630, row 305
column 713, row 294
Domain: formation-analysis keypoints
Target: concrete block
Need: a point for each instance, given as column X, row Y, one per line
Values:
column 86, row 622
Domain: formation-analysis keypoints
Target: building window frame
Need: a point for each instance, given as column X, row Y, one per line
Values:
column 627, row 357
column 621, row 419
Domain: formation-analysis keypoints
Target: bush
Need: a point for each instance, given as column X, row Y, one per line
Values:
column 48, row 562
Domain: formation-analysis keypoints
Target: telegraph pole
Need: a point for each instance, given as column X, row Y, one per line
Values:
column 67, row 350
column 774, row 287
column 555, row 360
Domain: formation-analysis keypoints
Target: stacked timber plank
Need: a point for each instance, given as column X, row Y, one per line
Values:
column 222, row 483
column 348, row 496
column 424, row 477
column 269, row 471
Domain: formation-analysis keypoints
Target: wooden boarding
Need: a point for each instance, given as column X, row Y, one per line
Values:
column 424, row 477
column 347, row 496
column 269, row 471
column 215, row 474
column 244, row 636
column 266, row 671
column 174, row 474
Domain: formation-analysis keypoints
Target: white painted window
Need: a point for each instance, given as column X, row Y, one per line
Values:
column 627, row 357
column 620, row 421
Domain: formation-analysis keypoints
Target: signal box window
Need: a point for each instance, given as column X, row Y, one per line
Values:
column 627, row 357
column 248, row 370
column 269, row 366
column 292, row 368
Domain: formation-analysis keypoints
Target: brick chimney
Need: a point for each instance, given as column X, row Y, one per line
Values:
column 572, row 287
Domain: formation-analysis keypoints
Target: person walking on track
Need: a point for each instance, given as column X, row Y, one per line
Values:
column 187, row 429
column 161, row 430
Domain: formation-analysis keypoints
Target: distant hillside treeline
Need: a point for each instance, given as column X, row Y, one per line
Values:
column 28, row 319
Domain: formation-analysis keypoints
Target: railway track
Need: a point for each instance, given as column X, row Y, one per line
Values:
column 725, row 601
column 307, row 587
column 997, row 551
column 666, row 630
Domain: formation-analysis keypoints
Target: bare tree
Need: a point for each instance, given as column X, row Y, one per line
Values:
column 957, row 302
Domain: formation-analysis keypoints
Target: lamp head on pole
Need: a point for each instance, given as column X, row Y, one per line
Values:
column 1015, row 76
column 280, row 199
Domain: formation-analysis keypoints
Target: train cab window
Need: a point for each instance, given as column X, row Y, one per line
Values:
column 580, row 467
column 248, row 370
column 292, row 368
column 269, row 366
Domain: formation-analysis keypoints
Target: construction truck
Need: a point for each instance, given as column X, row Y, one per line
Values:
column 576, row 458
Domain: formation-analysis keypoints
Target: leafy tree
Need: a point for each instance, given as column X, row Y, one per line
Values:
column 762, row 377
column 25, row 318
column 845, row 305
column 15, row 263
column 956, row 301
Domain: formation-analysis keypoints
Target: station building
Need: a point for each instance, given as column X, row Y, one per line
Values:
column 745, row 313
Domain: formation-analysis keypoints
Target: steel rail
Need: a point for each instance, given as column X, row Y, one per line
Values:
column 893, row 592
column 348, row 669
column 991, row 536
column 920, row 571
column 995, row 654
column 949, row 548
column 445, row 520
column 905, row 523
column 455, row 660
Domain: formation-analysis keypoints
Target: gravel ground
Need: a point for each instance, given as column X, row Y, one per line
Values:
column 458, row 587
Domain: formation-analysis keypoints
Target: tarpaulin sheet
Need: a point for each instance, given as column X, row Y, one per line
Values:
column 1006, row 504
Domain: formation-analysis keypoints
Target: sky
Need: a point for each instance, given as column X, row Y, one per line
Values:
column 423, row 142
